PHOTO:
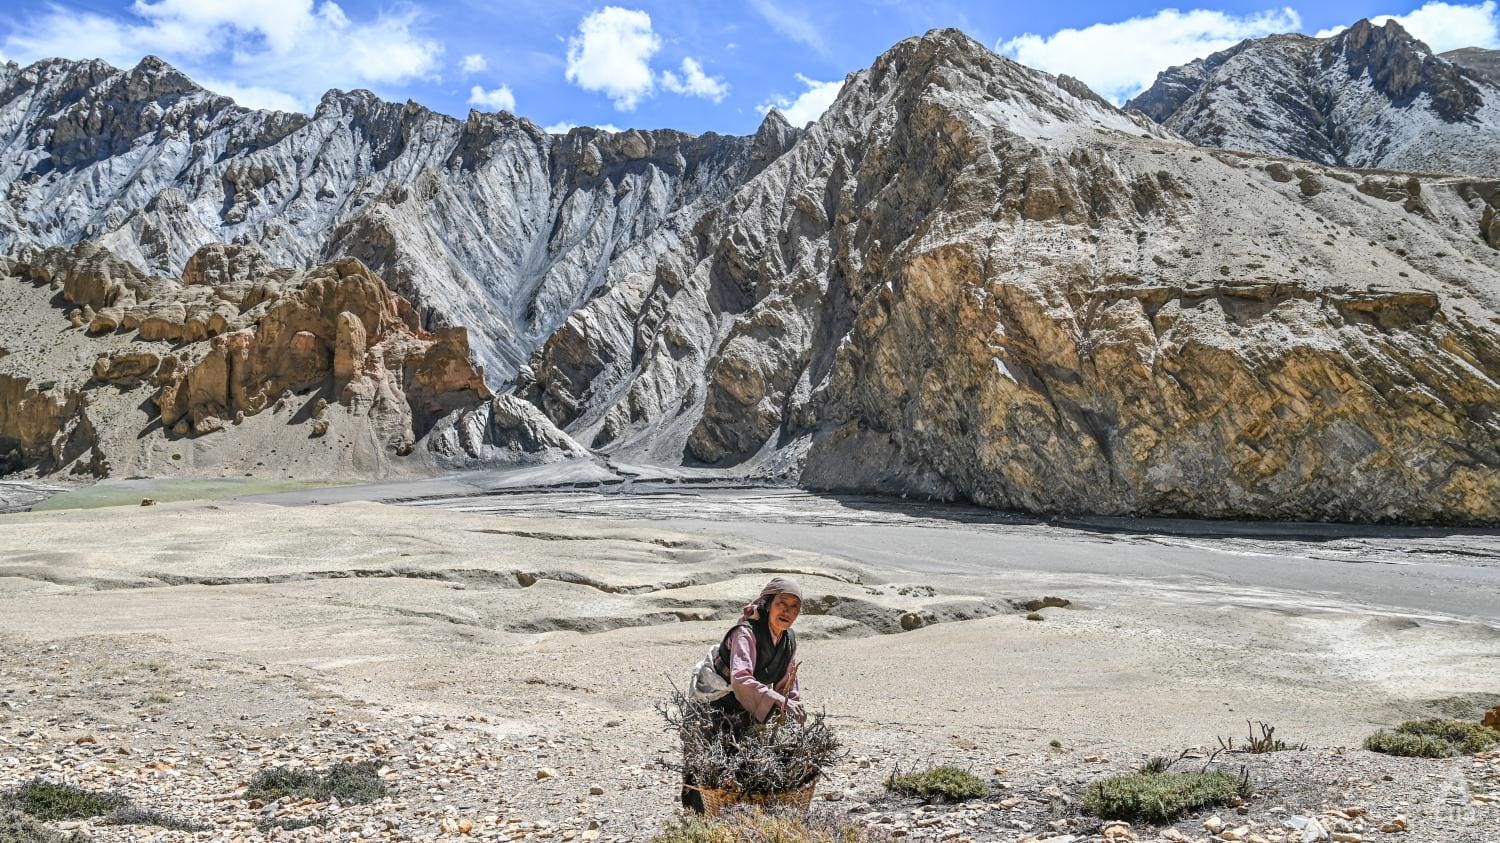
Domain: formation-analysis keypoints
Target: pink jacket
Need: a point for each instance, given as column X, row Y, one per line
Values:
column 757, row 698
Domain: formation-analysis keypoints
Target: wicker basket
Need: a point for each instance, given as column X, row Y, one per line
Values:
column 716, row 800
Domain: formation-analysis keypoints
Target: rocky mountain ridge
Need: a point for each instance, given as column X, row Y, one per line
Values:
column 487, row 222
column 968, row 281
column 1478, row 61
column 1370, row 96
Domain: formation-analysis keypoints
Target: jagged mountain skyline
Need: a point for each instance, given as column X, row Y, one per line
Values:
column 969, row 279
column 1369, row 96
column 652, row 63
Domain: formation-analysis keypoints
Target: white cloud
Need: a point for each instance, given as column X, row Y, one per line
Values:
column 792, row 24
column 254, row 97
column 808, row 106
column 611, row 53
column 500, row 99
column 694, row 82
column 276, row 52
column 564, row 127
column 1120, row 59
column 474, row 63
column 1444, row 27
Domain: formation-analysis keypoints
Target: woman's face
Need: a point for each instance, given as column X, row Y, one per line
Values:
column 783, row 612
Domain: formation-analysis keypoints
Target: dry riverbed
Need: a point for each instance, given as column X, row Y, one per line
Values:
column 502, row 671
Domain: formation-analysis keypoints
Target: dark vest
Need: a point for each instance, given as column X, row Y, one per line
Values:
column 772, row 661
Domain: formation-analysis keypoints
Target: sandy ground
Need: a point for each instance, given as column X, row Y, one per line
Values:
column 472, row 649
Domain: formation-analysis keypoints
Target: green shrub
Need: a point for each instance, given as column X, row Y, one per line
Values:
column 49, row 801
column 1433, row 739
column 282, row 782
column 1162, row 797
column 786, row 826
column 16, row 827
column 947, row 783
column 350, row 784
column 353, row 784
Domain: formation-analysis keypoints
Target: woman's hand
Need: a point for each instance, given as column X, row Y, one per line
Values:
column 795, row 710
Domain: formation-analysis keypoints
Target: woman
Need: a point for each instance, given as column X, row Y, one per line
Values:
column 757, row 661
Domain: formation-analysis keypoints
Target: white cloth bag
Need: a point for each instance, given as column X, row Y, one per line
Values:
column 706, row 685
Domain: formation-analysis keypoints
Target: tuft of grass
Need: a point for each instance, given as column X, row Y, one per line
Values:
column 1162, row 797
column 947, row 783
column 16, row 827
column 1156, row 765
column 350, row 784
column 1434, row 738
column 786, row 826
column 48, row 801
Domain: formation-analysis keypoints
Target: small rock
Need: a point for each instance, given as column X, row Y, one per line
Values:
column 148, row 501
column 546, row 773
column 1239, row 833
column 1310, row 829
column 596, row 790
column 1213, row 825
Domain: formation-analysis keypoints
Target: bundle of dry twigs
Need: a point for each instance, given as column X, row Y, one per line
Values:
column 774, row 757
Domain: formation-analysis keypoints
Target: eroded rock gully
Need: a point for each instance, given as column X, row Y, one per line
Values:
column 965, row 280
column 488, row 222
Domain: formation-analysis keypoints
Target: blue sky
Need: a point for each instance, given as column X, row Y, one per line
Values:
column 666, row 63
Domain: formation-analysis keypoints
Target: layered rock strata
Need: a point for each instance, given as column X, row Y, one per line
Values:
column 487, row 222
column 968, row 281
column 1370, row 96
column 233, row 339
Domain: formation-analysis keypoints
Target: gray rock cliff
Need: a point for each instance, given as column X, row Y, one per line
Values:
column 1370, row 96
column 487, row 222
column 967, row 280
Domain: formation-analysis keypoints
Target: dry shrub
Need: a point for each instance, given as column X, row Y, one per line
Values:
column 1265, row 742
column 775, row 757
column 738, row 825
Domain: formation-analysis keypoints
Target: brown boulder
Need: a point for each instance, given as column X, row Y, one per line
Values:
column 1492, row 718
column 125, row 365
column 222, row 264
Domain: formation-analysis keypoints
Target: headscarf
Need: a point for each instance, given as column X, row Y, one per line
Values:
column 777, row 585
